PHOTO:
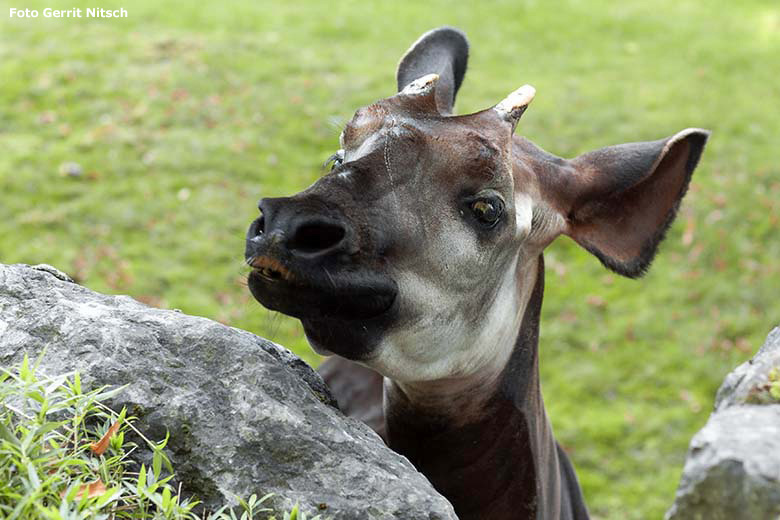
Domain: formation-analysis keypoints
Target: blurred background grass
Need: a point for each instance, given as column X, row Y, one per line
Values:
column 133, row 151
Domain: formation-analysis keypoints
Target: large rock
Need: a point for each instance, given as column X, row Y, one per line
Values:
column 733, row 466
column 245, row 415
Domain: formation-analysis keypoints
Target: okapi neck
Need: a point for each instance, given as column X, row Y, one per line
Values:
column 501, row 462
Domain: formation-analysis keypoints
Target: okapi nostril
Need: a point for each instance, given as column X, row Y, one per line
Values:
column 261, row 225
column 314, row 237
column 257, row 228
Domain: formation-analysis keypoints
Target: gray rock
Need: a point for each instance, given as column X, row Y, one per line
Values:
column 245, row 415
column 738, row 384
column 732, row 470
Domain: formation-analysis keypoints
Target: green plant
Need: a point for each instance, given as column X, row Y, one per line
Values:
column 294, row 514
column 64, row 456
column 250, row 509
column 767, row 393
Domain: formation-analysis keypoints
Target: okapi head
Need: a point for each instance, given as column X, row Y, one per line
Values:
column 420, row 245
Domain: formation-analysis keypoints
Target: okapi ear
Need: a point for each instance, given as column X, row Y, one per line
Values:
column 622, row 199
column 443, row 51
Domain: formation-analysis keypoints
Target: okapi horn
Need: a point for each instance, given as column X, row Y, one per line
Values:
column 513, row 106
column 421, row 93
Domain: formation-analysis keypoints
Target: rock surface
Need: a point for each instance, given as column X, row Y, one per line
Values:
column 732, row 470
column 245, row 415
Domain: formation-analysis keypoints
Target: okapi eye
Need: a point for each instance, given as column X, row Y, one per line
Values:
column 487, row 211
column 335, row 160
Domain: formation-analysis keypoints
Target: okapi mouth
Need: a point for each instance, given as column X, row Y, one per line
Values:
column 271, row 269
column 320, row 293
column 343, row 311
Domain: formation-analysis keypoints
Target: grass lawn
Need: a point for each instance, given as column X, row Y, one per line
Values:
column 133, row 151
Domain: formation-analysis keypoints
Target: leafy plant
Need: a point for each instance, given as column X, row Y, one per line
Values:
column 769, row 392
column 64, row 456
column 250, row 509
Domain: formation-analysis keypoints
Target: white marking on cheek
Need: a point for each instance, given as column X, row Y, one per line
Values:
column 523, row 214
column 441, row 344
column 420, row 350
column 344, row 175
column 496, row 339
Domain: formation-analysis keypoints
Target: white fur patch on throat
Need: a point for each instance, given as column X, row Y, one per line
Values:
column 443, row 346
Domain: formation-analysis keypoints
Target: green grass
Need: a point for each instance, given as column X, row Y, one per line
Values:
column 182, row 116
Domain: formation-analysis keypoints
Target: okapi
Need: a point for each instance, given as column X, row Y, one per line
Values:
column 418, row 260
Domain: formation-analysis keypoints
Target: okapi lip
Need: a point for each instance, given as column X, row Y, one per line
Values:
column 332, row 294
column 271, row 269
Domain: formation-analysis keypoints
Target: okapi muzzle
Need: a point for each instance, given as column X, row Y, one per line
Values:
column 417, row 259
column 311, row 261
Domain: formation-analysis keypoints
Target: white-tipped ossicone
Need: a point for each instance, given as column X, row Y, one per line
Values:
column 421, row 86
column 513, row 106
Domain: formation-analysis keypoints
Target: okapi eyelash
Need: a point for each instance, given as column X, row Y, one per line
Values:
column 337, row 157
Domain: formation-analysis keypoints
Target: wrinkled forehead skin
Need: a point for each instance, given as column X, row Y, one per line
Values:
column 394, row 143
column 421, row 165
column 408, row 172
column 471, row 149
